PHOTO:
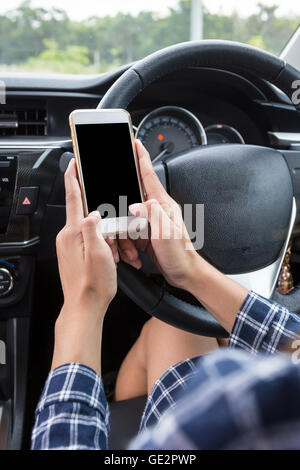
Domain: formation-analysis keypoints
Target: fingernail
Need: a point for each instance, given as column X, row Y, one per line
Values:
column 93, row 215
column 134, row 208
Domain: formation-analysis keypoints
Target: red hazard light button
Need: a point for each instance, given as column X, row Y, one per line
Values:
column 27, row 200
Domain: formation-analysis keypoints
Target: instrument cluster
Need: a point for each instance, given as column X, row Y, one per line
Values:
column 171, row 129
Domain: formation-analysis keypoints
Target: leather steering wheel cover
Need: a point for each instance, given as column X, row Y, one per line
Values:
column 159, row 303
column 225, row 55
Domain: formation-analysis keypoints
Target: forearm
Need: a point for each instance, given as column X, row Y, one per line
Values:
column 74, row 394
column 254, row 323
column 78, row 337
column 220, row 295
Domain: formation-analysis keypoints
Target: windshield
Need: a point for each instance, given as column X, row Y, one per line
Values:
column 94, row 36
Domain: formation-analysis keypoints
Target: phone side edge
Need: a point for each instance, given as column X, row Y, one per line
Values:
column 78, row 164
column 136, row 160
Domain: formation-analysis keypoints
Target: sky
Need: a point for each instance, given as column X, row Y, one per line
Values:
column 78, row 9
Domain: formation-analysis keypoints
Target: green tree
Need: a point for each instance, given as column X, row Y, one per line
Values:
column 73, row 59
column 47, row 39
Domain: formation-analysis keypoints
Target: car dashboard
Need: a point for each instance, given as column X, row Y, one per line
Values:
column 193, row 107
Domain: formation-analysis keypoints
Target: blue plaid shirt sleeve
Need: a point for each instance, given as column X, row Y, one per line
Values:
column 72, row 412
column 219, row 394
column 234, row 401
column 263, row 326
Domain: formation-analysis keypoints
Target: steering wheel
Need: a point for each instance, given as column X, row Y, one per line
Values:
column 246, row 190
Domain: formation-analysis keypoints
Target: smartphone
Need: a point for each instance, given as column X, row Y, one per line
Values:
column 108, row 168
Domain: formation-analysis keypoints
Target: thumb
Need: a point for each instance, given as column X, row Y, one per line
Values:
column 160, row 223
column 152, row 185
column 91, row 232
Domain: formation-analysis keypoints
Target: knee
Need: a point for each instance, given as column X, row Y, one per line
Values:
column 144, row 335
column 145, row 339
column 150, row 331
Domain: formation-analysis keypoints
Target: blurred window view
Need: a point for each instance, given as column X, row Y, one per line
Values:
column 93, row 36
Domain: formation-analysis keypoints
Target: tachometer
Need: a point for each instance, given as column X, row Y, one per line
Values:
column 170, row 130
column 223, row 134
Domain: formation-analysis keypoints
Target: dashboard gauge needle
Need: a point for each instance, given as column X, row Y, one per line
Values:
column 161, row 154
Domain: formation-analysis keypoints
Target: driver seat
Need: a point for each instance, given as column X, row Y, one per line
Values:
column 125, row 419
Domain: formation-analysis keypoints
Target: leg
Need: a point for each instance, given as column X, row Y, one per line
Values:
column 158, row 347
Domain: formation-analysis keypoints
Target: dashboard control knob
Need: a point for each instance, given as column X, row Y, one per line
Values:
column 6, row 281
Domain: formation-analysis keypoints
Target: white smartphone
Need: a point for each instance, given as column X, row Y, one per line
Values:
column 107, row 166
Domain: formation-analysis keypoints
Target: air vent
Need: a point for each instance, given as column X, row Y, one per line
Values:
column 24, row 121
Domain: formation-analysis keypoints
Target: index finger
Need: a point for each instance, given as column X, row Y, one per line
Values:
column 152, row 185
column 74, row 206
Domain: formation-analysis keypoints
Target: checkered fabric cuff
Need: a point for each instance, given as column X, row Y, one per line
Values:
column 263, row 325
column 74, row 383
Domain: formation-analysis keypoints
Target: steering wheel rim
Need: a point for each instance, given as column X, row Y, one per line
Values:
column 226, row 55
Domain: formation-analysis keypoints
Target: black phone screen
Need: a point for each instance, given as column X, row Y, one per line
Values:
column 108, row 167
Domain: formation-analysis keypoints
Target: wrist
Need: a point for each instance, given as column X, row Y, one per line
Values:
column 197, row 276
column 219, row 294
column 84, row 308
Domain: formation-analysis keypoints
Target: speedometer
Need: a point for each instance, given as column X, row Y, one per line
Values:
column 170, row 130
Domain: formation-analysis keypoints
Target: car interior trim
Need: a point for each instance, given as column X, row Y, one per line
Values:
column 263, row 281
column 31, row 242
column 284, row 138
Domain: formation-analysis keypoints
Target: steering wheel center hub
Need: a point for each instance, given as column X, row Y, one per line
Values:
column 246, row 218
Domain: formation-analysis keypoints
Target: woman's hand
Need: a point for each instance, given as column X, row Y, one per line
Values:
column 86, row 263
column 87, row 267
column 171, row 250
column 168, row 245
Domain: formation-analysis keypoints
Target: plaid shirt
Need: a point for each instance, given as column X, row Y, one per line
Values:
column 227, row 399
